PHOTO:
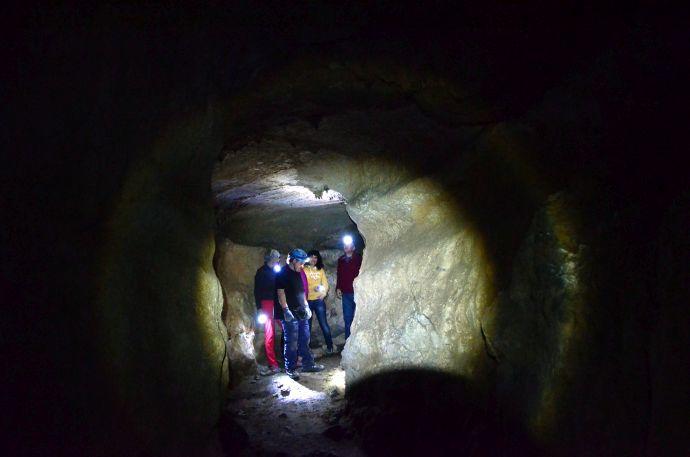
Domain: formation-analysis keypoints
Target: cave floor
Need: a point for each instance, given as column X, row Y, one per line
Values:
column 294, row 418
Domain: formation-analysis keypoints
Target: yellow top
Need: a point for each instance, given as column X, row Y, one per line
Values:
column 315, row 278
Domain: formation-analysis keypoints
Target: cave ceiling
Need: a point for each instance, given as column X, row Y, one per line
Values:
column 289, row 186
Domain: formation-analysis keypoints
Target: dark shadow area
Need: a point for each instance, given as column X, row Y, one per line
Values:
column 425, row 412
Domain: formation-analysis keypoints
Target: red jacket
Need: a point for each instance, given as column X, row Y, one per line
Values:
column 347, row 272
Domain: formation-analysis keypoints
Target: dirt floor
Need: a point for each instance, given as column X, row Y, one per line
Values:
column 277, row 416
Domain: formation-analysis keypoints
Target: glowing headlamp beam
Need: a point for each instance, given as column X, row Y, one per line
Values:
column 347, row 240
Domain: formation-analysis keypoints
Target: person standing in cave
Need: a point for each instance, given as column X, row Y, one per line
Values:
column 348, row 269
column 305, row 283
column 264, row 294
column 292, row 308
column 318, row 289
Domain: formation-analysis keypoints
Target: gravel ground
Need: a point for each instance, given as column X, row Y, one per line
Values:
column 275, row 415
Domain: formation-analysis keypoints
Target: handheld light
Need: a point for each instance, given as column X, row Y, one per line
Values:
column 320, row 288
column 277, row 268
column 261, row 319
column 347, row 240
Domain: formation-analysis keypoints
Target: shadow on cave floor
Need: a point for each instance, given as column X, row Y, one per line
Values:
column 276, row 416
column 403, row 412
column 426, row 412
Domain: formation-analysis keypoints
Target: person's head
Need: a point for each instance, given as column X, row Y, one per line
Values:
column 297, row 259
column 348, row 246
column 315, row 259
column 272, row 258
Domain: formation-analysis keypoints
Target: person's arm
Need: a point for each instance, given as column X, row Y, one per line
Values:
column 282, row 300
column 338, row 290
column 324, row 283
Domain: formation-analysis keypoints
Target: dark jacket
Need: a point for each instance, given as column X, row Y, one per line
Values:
column 348, row 270
column 264, row 285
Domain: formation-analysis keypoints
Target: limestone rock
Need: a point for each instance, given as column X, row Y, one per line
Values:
column 422, row 282
column 235, row 266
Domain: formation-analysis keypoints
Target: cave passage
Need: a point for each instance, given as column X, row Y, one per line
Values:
column 474, row 300
column 423, row 278
column 260, row 207
column 270, row 412
column 514, row 175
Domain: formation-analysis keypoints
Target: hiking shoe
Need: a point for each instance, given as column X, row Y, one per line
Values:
column 274, row 370
column 330, row 351
column 313, row 369
column 292, row 374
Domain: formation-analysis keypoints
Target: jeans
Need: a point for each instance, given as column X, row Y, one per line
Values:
column 349, row 307
column 318, row 307
column 296, row 335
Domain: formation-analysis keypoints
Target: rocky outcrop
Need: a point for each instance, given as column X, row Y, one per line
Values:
column 235, row 266
column 161, row 338
column 422, row 286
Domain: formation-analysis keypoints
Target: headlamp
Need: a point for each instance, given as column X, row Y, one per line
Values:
column 347, row 240
column 261, row 319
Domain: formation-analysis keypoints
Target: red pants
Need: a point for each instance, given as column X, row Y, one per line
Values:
column 269, row 332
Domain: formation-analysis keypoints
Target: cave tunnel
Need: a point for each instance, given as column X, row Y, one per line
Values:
column 511, row 174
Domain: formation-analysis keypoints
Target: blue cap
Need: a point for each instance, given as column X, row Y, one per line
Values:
column 299, row 255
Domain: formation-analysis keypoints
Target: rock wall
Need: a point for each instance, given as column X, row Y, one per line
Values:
column 161, row 338
column 235, row 266
column 669, row 339
column 422, row 285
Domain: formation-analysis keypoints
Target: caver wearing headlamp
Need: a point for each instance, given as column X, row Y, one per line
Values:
column 348, row 269
column 292, row 309
column 264, row 295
